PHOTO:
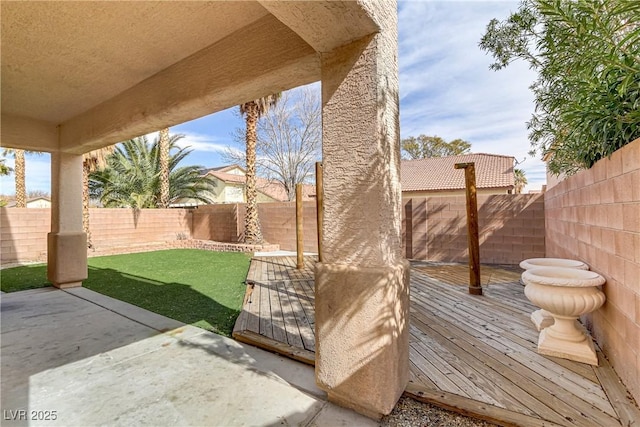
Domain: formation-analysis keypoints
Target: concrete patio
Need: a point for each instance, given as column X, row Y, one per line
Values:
column 80, row 358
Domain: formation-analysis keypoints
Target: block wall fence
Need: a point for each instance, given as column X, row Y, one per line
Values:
column 225, row 223
column 23, row 232
column 594, row 216
column 511, row 228
column 434, row 228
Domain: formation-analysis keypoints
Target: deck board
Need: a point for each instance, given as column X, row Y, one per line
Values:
column 528, row 360
column 525, row 349
column 524, row 377
column 473, row 354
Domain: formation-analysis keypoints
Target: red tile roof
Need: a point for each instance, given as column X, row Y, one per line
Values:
column 438, row 173
column 273, row 189
column 227, row 177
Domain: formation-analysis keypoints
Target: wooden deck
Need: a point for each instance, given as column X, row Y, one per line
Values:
column 472, row 354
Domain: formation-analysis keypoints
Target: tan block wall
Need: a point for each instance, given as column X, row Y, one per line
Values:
column 594, row 216
column 124, row 227
column 24, row 231
column 23, row 234
column 442, row 193
column 225, row 223
column 511, row 228
column 278, row 222
column 217, row 222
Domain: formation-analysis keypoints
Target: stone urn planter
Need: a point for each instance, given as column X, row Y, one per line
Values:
column 566, row 293
column 541, row 318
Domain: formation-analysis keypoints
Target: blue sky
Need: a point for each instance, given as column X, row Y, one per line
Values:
column 446, row 89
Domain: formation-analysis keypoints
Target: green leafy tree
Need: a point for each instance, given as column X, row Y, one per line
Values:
column 520, row 180
column 132, row 176
column 587, row 55
column 424, row 146
column 4, row 169
column 252, row 111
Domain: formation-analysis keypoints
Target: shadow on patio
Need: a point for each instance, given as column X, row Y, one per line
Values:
column 76, row 357
column 474, row 355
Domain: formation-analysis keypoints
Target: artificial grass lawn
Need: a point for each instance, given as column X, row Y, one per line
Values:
column 202, row 288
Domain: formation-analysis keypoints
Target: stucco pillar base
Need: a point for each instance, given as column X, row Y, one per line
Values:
column 67, row 259
column 362, row 335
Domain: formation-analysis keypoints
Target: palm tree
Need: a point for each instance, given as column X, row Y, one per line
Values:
column 164, row 168
column 19, row 169
column 520, row 180
column 91, row 161
column 252, row 111
column 132, row 176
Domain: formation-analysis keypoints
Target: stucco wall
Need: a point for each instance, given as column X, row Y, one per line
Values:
column 594, row 216
column 511, row 228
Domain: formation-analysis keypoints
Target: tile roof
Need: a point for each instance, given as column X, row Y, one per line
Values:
column 225, row 168
column 273, row 189
column 438, row 173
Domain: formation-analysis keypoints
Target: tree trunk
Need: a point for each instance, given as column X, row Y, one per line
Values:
column 252, row 232
column 21, row 187
column 85, row 201
column 163, row 148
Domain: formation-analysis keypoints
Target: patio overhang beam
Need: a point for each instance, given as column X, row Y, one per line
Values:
column 28, row 134
column 325, row 25
column 272, row 58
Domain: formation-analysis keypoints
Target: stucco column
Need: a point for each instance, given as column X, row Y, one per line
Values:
column 362, row 286
column 67, row 243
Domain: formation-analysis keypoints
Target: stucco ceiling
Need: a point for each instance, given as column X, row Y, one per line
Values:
column 77, row 76
column 62, row 58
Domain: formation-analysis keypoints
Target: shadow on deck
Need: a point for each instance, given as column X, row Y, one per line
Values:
column 475, row 355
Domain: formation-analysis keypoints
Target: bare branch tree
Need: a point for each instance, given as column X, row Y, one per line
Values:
column 289, row 139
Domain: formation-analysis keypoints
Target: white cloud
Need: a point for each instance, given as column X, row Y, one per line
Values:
column 447, row 89
column 201, row 142
column 196, row 141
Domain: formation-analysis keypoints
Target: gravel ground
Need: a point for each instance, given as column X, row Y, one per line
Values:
column 411, row 413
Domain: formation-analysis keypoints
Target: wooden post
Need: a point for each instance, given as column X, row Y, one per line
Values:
column 319, row 207
column 299, row 236
column 475, row 286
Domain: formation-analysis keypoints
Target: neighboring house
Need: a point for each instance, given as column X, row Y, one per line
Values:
column 438, row 176
column 229, row 186
column 35, row 202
